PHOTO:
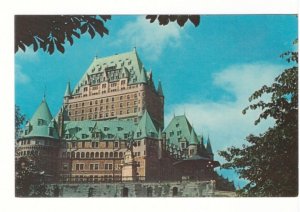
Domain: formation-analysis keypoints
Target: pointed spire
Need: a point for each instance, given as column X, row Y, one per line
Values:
column 68, row 90
column 143, row 78
column 208, row 146
column 159, row 89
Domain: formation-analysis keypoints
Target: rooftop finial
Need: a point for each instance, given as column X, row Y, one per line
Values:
column 44, row 96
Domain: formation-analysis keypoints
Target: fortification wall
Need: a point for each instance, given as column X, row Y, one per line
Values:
column 129, row 189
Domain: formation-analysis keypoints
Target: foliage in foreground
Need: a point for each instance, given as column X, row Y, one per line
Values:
column 270, row 160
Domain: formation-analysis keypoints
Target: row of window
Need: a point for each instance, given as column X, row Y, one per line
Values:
column 92, row 166
column 135, row 109
column 83, row 144
column 92, row 155
column 105, row 115
column 91, row 178
column 107, row 107
column 101, row 101
column 26, row 142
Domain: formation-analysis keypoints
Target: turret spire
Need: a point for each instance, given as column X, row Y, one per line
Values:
column 159, row 89
column 68, row 90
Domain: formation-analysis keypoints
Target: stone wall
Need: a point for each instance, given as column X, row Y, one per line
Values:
column 129, row 189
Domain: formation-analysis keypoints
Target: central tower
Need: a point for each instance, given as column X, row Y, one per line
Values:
column 115, row 87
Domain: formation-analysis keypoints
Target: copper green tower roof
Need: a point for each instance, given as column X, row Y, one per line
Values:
column 42, row 123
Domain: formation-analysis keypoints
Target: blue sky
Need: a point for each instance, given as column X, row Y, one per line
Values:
column 207, row 72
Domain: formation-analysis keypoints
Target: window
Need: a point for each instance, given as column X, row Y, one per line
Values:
column 182, row 145
column 97, row 155
column 121, row 97
column 92, row 155
column 111, row 155
column 116, row 144
column 121, row 104
column 106, row 128
column 101, row 154
column 96, row 166
column 106, row 154
column 91, row 103
column 87, row 155
column 91, row 166
column 82, row 104
column 112, row 99
column 138, row 134
column 65, row 167
column 120, row 154
column 77, row 154
column 179, row 132
column 83, row 144
column 128, row 97
column 82, row 155
column 106, row 144
column 85, row 89
column 81, row 166
column 108, row 166
column 115, row 154
column 171, row 133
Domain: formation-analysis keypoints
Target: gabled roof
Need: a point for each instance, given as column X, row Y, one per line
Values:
column 178, row 128
column 145, row 127
column 108, row 129
column 127, row 63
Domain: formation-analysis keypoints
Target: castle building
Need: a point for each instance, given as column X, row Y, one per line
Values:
column 111, row 128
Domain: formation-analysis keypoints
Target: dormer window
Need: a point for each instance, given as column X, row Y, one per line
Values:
column 41, row 122
column 106, row 128
column 138, row 134
column 171, row 134
column 120, row 128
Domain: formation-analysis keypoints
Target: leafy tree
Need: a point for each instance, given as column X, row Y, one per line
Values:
column 19, row 120
column 52, row 31
column 270, row 161
column 29, row 178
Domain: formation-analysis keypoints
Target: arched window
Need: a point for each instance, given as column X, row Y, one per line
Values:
column 82, row 155
column 115, row 154
column 73, row 155
column 68, row 154
column 92, row 155
column 111, row 154
column 77, row 154
column 97, row 155
column 87, row 155
column 149, row 192
column 120, row 154
column 101, row 154
column 174, row 191
column 106, row 154
column 125, row 192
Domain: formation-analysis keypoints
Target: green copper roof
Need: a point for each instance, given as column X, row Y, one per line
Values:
column 107, row 130
column 68, row 90
column 193, row 139
column 178, row 128
column 113, row 68
column 145, row 127
column 159, row 89
column 41, row 123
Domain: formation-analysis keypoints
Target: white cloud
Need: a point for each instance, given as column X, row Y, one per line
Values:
column 223, row 120
column 20, row 77
column 150, row 38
